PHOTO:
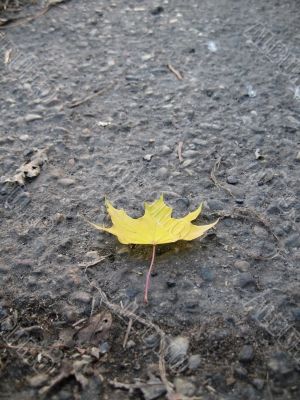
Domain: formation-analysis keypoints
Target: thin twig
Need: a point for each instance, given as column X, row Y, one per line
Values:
column 92, row 306
column 174, row 71
column 130, row 322
column 179, row 151
column 93, row 263
column 215, row 180
column 77, row 103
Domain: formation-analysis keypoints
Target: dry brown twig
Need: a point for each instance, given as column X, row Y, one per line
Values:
column 214, row 178
column 93, row 263
column 130, row 322
column 174, row 71
column 77, row 103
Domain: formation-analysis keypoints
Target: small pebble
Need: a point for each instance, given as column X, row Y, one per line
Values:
column 130, row 344
column 177, row 349
column 152, row 341
column 239, row 201
column 104, row 347
column 171, row 283
column 164, row 150
column 23, row 266
column 3, row 312
column 182, row 203
column 148, row 157
column 38, row 380
column 66, row 182
column 81, row 297
column 162, row 172
column 242, row 266
column 184, row 387
column 194, row 362
column 58, row 218
column 258, row 383
column 246, row 354
column 281, row 366
column 246, row 280
column 4, row 269
column 32, row 117
column 7, row 324
column 232, row 180
column 241, row 373
column 157, row 10
column 23, row 138
column 207, row 274
column 260, row 232
column 293, row 241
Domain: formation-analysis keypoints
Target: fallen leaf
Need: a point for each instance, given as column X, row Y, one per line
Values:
column 156, row 226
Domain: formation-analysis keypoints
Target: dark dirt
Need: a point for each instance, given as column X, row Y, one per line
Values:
column 89, row 82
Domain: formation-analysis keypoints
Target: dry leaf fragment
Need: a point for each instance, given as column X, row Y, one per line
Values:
column 29, row 169
column 156, row 226
column 96, row 329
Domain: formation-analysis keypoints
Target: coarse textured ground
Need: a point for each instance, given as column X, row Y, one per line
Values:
column 88, row 82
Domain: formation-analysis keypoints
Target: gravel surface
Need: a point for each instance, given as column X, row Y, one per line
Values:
column 128, row 100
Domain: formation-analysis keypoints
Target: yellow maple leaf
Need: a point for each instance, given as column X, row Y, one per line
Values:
column 155, row 227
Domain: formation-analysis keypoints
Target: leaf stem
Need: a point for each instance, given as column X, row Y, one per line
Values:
column 147, row 285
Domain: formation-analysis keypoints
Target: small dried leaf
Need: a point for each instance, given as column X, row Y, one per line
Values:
column 66, row 337
column 96, row 329
column 29, row 169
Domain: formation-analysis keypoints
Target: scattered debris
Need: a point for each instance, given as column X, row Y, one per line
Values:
column 23, row 20
column 34, row 330
column 152, row 389
column 29, row 169
column 68, row 370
